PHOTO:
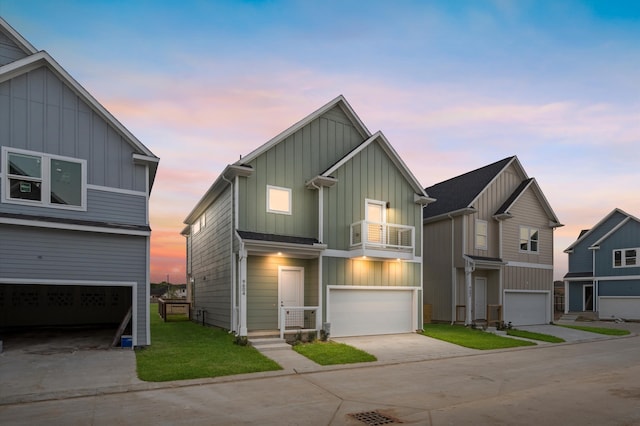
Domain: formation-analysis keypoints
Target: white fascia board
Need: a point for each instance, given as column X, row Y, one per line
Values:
column 514, row 159
column 611, row 232
column 17, row 38
column 41, row 58
column 72, row 227
column 340, row 101
column 594, row 227
column 225, row 178
column 448, row 215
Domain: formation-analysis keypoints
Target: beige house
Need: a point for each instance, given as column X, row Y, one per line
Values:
column 488, row 247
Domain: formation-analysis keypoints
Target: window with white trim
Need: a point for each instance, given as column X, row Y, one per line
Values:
column 278, row 200
column 33, row 178
column 481, row 234
column 529, row 239
column 198, row 224
column 625, row 258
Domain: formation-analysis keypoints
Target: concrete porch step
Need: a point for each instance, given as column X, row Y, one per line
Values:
column 268, row 343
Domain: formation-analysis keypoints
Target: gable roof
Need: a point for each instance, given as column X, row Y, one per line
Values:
column 532, row 184
column 613, row 230
column 339, row 101
column 15, row 36
column 459, row 193
column 393, row 155
column 585, row 233
column 42, row 58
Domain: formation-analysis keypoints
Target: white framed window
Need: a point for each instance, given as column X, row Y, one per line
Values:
column 278, row 200
column 198, row 224
column 33, row 178
column 626, row 258
column 481, row 234
column 529, row 238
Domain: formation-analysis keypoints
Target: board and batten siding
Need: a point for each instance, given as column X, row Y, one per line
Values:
column 37, row 253
column 368, row 175
column 364, row 272
column 438, row 268
column 211, row 262
column 38, row 112
column 9, row 51
column 519, row 278
column 102, row 206
column 527, row 212
column 487, row 204
column 626, row 237
column 289, row 164
column 262, row 288
column 581, row 260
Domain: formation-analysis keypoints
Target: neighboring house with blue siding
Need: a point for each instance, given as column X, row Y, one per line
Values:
column 488, row 247
column 604, row 269
column 74, row 201
column 319, row 227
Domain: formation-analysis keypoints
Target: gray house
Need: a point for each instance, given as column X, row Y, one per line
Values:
column 604, row 269
column 74, row 197
column 319, row 227
column 488, row 246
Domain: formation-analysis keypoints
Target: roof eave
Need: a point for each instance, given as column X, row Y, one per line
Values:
column 460, row 212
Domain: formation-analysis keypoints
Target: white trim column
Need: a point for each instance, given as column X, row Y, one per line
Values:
column 243, row 291
column 468, row 271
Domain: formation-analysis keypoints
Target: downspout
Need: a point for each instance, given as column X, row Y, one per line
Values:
column 468, row 270
column 454, row 290
column 320, row 257
column 595, row 283
column 501, row 270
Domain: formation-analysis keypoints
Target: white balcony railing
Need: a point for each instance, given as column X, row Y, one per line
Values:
column 299, row 318
column 386, row 236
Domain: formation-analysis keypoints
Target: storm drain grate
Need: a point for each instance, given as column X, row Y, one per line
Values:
column 373, row 418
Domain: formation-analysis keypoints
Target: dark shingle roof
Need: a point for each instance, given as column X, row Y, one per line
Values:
column 504, row 208
column 259, row 236
column 578, row 275
column 457, row 193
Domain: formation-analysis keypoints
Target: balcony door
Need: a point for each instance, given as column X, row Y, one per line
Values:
column 376, row 216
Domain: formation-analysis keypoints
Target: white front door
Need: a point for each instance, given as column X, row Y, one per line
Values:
column 480, row 300
column 291, row 294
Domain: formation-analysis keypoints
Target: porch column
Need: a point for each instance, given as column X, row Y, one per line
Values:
column 243, row 292
column 566, row 297
column 468, row 270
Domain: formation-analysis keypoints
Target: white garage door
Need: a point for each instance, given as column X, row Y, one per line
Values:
column 360, row 312
column 526, row 308
column 619, row 307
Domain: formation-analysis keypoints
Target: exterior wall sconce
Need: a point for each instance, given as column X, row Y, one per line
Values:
column 388, row 204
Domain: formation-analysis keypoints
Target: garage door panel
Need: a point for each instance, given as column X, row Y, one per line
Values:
column 369, row 312
column 619, row 307
column 526, row 308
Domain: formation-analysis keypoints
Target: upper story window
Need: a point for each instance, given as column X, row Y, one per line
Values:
column 625, row 258
column 278, row 200
column 529, row 239
column 198, row 224
column 33, row 178
column 481, row 234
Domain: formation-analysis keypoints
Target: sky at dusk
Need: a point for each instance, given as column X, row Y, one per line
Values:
column 453, row 85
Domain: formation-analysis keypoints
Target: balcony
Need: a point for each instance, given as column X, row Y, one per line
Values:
column 382, row 240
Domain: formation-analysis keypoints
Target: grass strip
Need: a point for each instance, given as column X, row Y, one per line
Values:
column 181, row 350
column 471, row 338
column 331, row 353
column 534, row 336
column 599, row 330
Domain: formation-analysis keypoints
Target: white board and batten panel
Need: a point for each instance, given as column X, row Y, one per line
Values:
column 371, row 310
column 611, row 307
column 527, row 307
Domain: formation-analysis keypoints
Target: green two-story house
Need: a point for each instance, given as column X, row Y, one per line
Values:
column 318, row 228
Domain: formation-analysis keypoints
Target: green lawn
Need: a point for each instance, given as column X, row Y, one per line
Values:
column 470, row 338
column 599, row 330
column 330, row 353
column 181, row 349
column 534, row 336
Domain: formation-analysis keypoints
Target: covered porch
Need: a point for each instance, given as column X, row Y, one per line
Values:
column 278, row 284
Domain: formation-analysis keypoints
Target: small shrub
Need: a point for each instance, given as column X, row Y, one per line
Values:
column 241, row 340
column 311, row 336
column 324, row 336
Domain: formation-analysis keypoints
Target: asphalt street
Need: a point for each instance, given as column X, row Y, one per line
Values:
column 587, row 383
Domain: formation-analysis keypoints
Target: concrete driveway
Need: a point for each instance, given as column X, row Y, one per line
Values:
column 47, row 364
